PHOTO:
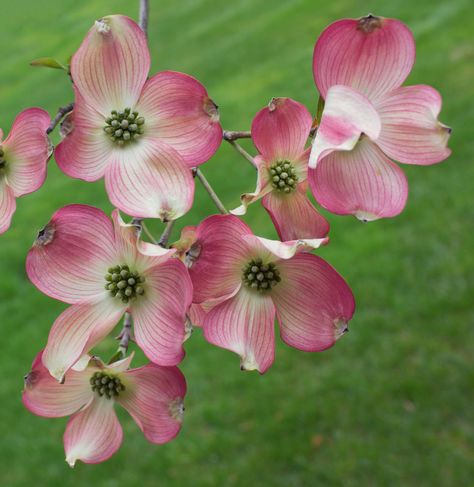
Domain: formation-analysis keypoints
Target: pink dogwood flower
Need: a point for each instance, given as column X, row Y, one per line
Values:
column 243, row 281
column 152, row 395
column 103, row 270
column 280, row 132
column 23, row 158
column 143, row 135
column 369, row 118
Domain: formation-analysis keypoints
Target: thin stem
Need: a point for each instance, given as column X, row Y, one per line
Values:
column 144, row 11
column 148, row 233
column 62, row 112
column 165, row 236
column 242, row 152
column 211, row 192
column 236, row 134
column 126, row 334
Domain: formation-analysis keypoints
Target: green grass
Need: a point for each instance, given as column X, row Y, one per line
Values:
column 391, row 403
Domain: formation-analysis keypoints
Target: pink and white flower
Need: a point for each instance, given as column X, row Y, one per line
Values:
column 142, row 134
column 243, row 281
column 280, row 132
column 369, row 118
column 152, row 395
column 103, row 270
column 23, row 158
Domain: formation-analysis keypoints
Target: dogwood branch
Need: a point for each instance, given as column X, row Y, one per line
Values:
column 242, row 152
column 126, row 334
column 230, row 135
column 144, row 11
column 165, row 236
column 62, row 112
column 198, row 174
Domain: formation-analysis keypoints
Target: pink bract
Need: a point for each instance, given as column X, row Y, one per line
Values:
column 167, row 124
column 151, row 394
column 23, row 158
column 280, row 132
column 311, row 300
column 359, row 67
column 80, row 253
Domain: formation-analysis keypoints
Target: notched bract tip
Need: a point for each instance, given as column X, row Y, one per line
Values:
column 211, row 109
column 103, row 26
column 369, row 23
column 45, row 235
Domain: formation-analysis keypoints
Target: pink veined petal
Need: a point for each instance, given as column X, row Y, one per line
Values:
column 269, row 250
column 94, row 434
column 313, row 303
column 160, row 315
column 294, row 216
column 218, row 256
column 77, row 330
column 71, row 254
column 45, row 396
column 112, row 64
column 154, row 399
column 362, row 182
column 178, row 110
column 264, row 187
column 347, row 115
column 86, row 150
column 411, row 132
column 151, row 181
column 280, row 131
column 196, row 314
column 372, row 54
column 137, row 254
column 27, row 151
column 121, row 365
column 244, row 324
column 7, row 205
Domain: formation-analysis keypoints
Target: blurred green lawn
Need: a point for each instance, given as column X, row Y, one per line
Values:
column 391, row 403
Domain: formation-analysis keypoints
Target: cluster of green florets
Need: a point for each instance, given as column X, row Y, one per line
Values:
column 259, row 276
column 106, row 385
column 283, row 176
column 3, row 162
column 124, row 126
column 121, row 282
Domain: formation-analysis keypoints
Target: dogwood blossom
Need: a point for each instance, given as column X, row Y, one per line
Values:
column 244, row 281
column 152, row 395
column 23, row 158
column 359, row 67
column 103, row 270
column 280, row 132
column 142, row 134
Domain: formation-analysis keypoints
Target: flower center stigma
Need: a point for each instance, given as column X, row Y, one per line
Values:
column 124, row 126
column 283, row 176
column 259, row 276
column 106, row 385
column 3, row 162
column 123, row 283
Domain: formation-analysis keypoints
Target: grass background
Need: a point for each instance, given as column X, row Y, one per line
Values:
column 391, row 403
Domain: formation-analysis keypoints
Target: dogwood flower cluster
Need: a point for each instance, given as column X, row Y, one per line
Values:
column 146, row 136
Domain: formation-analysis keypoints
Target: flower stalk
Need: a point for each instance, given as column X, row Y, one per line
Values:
column 197, row 172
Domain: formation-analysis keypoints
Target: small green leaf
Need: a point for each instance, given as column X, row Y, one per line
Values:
column 118, row 355
column 320, row 109
column 48, row 62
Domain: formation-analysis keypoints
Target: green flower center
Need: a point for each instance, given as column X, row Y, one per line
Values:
column 106, row 385
column 283, row 176
column 124, row 126
column 259, row 276
column 122, row 283
column 3, row 162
